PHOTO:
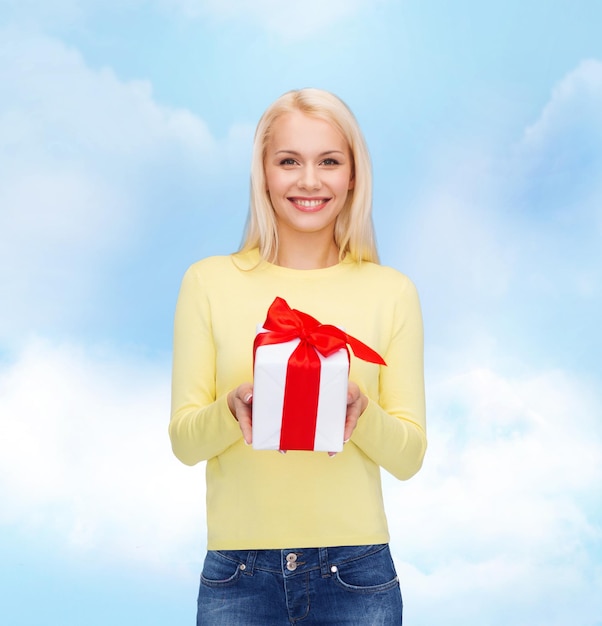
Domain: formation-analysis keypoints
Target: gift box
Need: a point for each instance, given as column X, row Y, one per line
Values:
column 314, row 418
column 301, row 370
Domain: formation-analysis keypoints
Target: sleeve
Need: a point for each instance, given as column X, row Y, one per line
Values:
column 201, row 425
column 392, row 431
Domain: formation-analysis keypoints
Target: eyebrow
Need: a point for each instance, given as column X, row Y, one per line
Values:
column 322, row 154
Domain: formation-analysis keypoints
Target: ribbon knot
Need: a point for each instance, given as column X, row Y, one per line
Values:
column 303, row 335
column 302, row 385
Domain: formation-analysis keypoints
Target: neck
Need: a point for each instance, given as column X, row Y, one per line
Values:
column 307, row 253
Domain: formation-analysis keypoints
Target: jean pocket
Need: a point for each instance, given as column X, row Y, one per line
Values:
column 372, row 573
column 219, row 570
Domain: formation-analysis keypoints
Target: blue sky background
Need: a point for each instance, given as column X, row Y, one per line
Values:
column 125, row 134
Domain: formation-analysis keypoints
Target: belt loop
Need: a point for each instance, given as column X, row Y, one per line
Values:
column 250, row 563
column 324, row 568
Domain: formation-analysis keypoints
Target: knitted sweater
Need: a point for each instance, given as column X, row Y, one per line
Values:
column 259, row 499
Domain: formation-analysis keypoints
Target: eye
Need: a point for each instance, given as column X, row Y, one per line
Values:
column 288, row 162
column 330, row 162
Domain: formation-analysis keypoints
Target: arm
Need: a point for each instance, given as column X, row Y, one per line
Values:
column 392, row 431
column 201, row 425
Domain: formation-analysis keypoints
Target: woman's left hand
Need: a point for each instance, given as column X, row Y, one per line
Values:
column 356, row 405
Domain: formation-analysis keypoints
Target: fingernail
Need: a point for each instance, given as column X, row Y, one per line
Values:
column 346, row 440
column 247, row 398
column 282, row 451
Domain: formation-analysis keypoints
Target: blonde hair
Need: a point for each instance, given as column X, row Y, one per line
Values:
column 354, row 231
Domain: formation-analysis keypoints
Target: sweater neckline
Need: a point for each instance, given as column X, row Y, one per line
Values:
column 251, row 260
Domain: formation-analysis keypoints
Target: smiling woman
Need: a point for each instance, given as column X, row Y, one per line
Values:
column 287, row 120
column 308, row 176
column 301, row 535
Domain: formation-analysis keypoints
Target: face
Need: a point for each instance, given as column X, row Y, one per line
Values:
column 308, row 174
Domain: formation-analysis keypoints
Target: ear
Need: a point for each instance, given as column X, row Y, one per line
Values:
column 351, row 183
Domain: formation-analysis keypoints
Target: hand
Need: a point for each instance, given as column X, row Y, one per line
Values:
column 240, row 403
column 356, row 405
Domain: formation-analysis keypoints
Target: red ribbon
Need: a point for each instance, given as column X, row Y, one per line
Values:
column 302, row 386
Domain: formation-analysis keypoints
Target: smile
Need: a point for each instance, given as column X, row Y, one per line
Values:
column 309, row 204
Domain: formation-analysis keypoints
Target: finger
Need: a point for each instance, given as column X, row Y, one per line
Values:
column 245, row 392
column 350, row 424
column 352, row 396
column 349, row 428
column 353, row 392
column 245, row 423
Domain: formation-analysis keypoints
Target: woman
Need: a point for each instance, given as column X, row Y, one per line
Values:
column 300, row 537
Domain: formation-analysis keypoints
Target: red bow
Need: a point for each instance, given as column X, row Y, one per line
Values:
column 299, row 413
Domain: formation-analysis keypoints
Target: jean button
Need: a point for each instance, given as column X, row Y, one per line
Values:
column 291, row 561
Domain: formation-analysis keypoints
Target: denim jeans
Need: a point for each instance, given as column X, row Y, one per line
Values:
column 350, row 585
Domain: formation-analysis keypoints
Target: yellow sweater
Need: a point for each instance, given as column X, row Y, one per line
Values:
column 260, row 499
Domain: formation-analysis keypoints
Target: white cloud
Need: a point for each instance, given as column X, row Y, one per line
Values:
column 505, row 512
column 507, row 241
column 560, row 154
column 36, row 12
column 58, row 15
column 289, row 21
column 462, row 252
column 575, row 104
column 83, row 157
column 501, row 591
column 61, row 107
column 505, row 504
column 85, row 459
column 554, row 178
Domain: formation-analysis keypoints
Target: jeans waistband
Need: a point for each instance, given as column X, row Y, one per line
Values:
column 295, row 561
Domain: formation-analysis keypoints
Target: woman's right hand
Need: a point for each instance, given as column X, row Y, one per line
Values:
column 240, row 403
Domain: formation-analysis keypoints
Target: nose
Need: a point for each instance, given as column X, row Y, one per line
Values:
column 309, row 178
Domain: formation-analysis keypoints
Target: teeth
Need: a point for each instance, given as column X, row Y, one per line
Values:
column 309, row 203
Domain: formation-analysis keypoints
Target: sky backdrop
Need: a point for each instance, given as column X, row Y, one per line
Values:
column 125, row 137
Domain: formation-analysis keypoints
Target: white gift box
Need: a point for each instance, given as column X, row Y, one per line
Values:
column 268, row 397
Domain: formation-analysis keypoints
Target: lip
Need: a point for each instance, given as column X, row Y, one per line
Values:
column 308, row 205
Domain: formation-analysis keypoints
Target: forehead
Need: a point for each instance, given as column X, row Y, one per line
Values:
column 300, row 132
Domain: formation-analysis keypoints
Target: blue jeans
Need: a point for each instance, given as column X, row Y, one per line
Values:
column 350, row 585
